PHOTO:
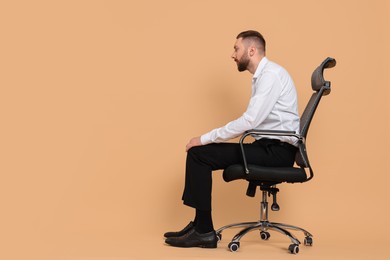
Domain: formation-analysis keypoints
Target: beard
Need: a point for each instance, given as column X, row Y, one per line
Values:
column 243, row 63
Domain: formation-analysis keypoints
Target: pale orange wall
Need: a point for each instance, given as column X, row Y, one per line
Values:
column 99, row 98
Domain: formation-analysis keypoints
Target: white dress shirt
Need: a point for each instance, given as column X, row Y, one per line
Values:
column 273, row 106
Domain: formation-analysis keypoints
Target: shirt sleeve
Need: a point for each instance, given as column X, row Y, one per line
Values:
column 266, row 93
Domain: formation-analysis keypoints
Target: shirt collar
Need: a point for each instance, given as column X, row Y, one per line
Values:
column 260, row 68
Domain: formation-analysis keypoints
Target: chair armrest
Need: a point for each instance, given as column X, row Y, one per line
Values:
column 265, row 132
column 272, row 133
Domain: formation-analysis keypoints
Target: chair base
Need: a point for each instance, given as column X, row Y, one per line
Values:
column 263, row 226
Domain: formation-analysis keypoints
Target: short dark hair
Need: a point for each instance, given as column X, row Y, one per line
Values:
column 254, row 36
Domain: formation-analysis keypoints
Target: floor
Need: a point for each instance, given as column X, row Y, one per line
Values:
column 153, row 247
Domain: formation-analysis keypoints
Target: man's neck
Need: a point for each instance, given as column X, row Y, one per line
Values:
column 253, row 65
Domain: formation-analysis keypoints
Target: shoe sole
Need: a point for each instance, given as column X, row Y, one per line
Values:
column 209, row 245
column 213, row 245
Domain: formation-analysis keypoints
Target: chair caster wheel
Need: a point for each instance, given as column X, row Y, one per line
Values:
column 234, row 246
column 265, row 235
column 294, row 249
column 308, row 241
column 219, row 237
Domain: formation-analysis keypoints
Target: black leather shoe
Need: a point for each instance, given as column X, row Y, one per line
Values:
column 194, row 239
column 181, row 232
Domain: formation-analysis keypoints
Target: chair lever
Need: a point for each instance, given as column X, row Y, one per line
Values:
column 251, row 190
column 275, row 205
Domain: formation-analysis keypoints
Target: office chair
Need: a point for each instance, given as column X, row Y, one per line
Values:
column 266, row 178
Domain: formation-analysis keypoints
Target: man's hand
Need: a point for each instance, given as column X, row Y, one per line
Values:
column 193, row 142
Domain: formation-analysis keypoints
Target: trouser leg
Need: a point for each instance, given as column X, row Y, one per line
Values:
column 202, row 160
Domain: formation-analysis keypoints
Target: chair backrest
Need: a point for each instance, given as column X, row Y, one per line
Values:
column 321, row 87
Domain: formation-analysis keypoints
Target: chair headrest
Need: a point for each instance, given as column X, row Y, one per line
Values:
column 317, row 78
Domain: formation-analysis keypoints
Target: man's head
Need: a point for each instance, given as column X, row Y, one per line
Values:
column 248, row 50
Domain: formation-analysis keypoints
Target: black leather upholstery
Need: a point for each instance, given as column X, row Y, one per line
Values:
column 266, row 174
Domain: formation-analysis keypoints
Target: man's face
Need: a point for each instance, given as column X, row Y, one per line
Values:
column 240, row 55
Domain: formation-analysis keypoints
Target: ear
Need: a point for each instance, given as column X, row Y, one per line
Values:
column 251, row 51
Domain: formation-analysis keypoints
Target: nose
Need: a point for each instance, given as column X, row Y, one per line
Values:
column 233, row 56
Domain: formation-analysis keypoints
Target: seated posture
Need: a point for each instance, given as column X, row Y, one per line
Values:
column 273, row 106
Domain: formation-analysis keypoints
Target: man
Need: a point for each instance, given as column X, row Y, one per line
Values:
column 273, row 105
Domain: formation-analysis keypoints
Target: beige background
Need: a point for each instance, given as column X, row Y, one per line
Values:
column 99, row 98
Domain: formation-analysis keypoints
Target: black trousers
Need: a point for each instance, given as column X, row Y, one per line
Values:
column 202, row 160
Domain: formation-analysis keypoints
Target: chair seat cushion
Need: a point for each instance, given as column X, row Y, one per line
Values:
column 266, row 174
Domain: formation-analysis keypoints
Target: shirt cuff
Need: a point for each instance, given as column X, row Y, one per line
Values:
column 205, row 139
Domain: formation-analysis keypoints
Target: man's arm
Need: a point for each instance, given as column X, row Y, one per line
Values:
column 260, row 105
column 267, row 93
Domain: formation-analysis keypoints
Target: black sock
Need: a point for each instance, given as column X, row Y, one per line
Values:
column 203, row 221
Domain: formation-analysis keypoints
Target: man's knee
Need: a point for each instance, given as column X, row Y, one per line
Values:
column 197, row 151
